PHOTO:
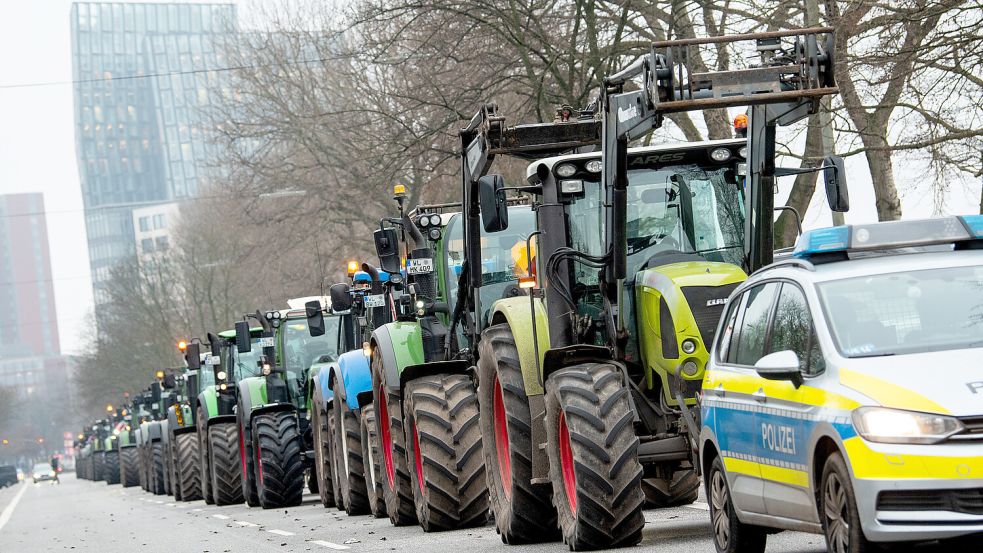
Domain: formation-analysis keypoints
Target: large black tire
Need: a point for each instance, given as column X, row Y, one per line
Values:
column 225, row 464
column 395, row 477
column 188, row 468
column 98, row 462
column 168, row 467
column 347, row 448
column 157, row 468
column 444, row 450
column 247, row 460
column 730, row 535
column 172, row 469
column 204, row 464
column 279, row 448
column 522, row 510
column 129, row 467
column 593, row 453
column 110, row 467
column 838, row 510
column 143, row 467
column 367, row 424
column 682, row 489
column 322, row 456
column 339, row 500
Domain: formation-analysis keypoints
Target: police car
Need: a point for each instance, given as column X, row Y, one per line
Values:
column 844, row 393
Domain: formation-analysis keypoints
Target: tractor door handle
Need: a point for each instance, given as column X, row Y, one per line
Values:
column 760, row 396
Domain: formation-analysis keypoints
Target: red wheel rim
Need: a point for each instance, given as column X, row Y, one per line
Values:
column 566, row 464
column 502, row 441
column 418, row 457
column 242, row 452
column 387, row 439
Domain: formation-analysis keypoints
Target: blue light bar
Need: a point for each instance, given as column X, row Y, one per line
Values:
column 890, row 235
column 975, row 224
column 822, row 240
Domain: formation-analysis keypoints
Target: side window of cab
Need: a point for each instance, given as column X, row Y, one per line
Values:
column 743, row 339
column 793, row 329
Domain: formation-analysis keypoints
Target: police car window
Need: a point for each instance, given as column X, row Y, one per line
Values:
column 727, row 332
column 754, row 326
column 792, row 329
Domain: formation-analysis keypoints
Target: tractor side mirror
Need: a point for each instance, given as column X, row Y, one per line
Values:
column 315, row 318
column 491, row 202
column 193, row 356
column 387, row 248
column 243, row 343
column 169, row 381
column 834, row 174
column 341, row 297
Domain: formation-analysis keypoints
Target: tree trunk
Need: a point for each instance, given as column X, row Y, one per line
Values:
column 803, row 189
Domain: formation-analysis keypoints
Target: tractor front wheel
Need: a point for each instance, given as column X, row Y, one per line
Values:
column 367, row 424
column 396, row 485
column 523, row 512
column 98, row 462
column 111, row 467
column 322, row 456
column 172, row 469
column 593, row 453
column 157, row 468
column 247, row 460
column 278, row 447
column 347, row 445
column 129, row 466
column 226, row 469
column 444, row 443
column 204, row 463
column 187, row 476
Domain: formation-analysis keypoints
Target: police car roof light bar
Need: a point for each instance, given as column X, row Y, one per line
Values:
column 966, row 230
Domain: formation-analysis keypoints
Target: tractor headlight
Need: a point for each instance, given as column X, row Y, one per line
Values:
column 220, row 375
column 895, row 426
column 423, row 221
column 742, row 152
column 434, row 233
column 594, row 166
column 566, row 170
column 435, row 220
column 689, row 346
column 720, row 154
column 690, row 369
column 223, row 386
column 269, row 315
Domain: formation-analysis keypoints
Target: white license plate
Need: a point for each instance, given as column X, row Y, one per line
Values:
column 265, row 342
column 422, row 266
column 214, row 360
column 191, row 373
column 375, row 300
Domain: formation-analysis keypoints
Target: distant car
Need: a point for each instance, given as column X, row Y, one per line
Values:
column 8, row 475
column 43, row 472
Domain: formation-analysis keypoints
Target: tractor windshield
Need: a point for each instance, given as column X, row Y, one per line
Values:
column 301, row 350
column 246, row 364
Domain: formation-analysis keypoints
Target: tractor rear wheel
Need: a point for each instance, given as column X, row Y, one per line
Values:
column 682, row 489
column 98, row 462
column 129, row 466
column 143, row 467
column 157, row 468
column 188, row 468
column 247, row 460
column 396, row 486
column 347, row 445
column 593, row 453
column 111, row 467
column 523, row 512
column 377, row 503
column 278, row 447
column 444, row 450
column 225, row 474
column 322, row 456
column 168, row 468
column 204, row 464
column 172, row 472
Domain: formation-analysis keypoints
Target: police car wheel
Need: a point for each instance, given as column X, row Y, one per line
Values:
column 838, row 509
column 730, row 535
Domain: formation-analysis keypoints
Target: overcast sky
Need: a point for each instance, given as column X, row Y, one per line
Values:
column 37, row 152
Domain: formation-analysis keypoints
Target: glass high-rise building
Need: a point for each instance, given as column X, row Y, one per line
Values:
column 143, row 74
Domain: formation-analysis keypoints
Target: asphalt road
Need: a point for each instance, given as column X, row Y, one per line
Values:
column 78, row 515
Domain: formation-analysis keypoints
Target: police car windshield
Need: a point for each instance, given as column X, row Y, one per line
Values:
column 910, row 312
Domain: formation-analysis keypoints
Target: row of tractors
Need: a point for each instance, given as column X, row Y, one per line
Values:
column 527, row 354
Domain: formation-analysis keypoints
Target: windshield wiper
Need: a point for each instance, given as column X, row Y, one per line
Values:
column 865, row 355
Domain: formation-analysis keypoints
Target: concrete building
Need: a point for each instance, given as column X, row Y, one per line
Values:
column 142, row 74
column 152, row 229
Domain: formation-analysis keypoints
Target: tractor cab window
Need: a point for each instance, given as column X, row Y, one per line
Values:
column 301, row 350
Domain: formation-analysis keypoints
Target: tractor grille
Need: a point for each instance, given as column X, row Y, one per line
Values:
column 707, row 316
column 969, row 501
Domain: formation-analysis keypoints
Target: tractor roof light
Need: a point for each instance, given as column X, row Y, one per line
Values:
column 423, row 221
column 352, row 268
column 434, row 234
column 182, row 345
column 720, row 155
column 594, row 166
column 109, row 408
column 566, row 170
column 740, row 125
column 399, row 191
column 527, row 282
column 160, row 375
column 220, row 375
column 435, row 220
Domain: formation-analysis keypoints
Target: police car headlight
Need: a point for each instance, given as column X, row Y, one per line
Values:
column 894, row 426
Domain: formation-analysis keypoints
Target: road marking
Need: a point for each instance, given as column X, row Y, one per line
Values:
column 158, row 502
column 196, row 510
column 329, row 545
column 6, row 514
column 170, row 504
column 698, row 505
column 220, row 517
column 280, row 532
column 244, row 523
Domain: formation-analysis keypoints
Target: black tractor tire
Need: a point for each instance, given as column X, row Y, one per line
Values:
column 444, row 451
column 593, row 453
column 397, row 488
column 188, row 468
column 98, row 462
column 311, row 479
column 522, row 510
column 280, row 464
column 339, row 500
column 172, row 469
column 729, row 534
column 367, row 424
column 110, row 467
column 225, row 475
column 157, row 468
column 247, row 460
column 347, row 448
column 322, row 469
column 129, row 467
column 168, row 468
column 204, row 464
column 142, row 467
column 682, row 489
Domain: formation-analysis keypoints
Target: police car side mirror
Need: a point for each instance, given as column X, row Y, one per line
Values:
column 781, row 365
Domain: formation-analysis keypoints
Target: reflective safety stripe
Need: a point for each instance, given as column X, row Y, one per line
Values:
column 867, row 463
column 766, row 471
column 736, row 382
column 889, row 394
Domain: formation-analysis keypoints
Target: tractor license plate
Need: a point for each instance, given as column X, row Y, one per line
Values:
column 375, row 300
column 422, row 266
column 214, row 360
column 266, row 342
column 191, row 373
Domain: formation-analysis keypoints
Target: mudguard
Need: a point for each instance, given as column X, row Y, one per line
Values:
column 150, row 431
column 252, row 398
column 400, row 344
column 179, row 419
column 165, row 435
column 322, row 394
column 517, row 313
column 355, row 376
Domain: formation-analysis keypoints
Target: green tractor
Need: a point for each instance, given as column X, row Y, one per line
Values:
column 181, row 444
column 587, row 385
column 101, row 443
column 129, row 459
column 153, row 437
column 275, row 438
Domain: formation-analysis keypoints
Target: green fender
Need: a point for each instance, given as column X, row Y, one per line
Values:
column 401, row 345
column 208, row 398
column 517, row 313
column 252, row 392
column 124, row 439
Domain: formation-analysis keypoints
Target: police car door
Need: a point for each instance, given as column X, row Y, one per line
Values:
column 789, row 414
column 734, row 391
